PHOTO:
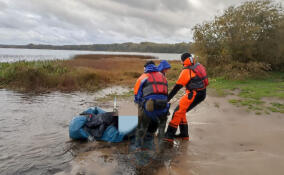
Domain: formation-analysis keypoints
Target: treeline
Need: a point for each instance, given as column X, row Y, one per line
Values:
column 246, row 40
column 124, row 47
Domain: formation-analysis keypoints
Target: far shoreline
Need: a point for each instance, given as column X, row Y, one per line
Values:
column 18, row 54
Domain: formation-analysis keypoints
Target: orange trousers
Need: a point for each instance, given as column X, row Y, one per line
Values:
column 179, row 115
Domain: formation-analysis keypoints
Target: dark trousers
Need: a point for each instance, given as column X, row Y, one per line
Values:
column 147, row 126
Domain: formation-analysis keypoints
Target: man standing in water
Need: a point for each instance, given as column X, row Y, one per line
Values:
column 163, row 67
column 151, row 95
column 193, row 77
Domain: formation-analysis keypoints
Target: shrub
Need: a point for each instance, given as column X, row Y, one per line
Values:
column 246, row 39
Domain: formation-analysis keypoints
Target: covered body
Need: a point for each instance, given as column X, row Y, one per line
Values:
column 101, row 125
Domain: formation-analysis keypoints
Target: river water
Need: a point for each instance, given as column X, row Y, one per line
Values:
column 35, row 139
column 12, row 55
column 34, row 130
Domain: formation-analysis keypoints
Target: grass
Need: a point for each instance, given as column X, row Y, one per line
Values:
column 173, row 73
column 49, row 75
column 270, row 86
column 251, row 92
column 90, row 73
column 84, row 72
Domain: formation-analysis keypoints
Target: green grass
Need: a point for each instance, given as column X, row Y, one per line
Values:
column 271, row 86
column 252, row 91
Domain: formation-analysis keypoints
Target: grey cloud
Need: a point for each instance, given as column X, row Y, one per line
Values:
column 104, row 21
column 180, row 5
column 16, row 20
column 3, row 5
column 154, row 5
column 145, row 4
column 159, row 19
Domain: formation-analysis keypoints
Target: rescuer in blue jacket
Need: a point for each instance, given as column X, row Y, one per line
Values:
column 151, row 94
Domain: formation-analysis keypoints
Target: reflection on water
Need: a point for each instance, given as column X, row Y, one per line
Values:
column 34, row 138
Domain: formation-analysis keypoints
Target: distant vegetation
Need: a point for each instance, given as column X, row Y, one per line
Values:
column 124, row 47
column 86, row 72
column 47, row 75
column 246, row 41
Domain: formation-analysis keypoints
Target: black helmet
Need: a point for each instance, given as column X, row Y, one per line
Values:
column 149, row 62
column 185, row 56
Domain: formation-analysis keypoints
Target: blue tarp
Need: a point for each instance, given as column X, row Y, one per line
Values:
column 76, row 130
column 111, row 134
column 126, row 124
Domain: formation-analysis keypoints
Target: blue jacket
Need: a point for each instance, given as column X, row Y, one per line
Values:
column 138, row 98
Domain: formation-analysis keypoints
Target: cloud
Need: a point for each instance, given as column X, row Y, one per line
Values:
column 103, row 21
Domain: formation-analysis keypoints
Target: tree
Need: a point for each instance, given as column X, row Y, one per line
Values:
column 251, row 33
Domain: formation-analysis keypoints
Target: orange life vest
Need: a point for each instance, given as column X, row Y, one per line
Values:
column 155, row 84
column 200, row 81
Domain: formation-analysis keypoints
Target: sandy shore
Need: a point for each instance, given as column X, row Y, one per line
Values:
column 229, row 140
column 224, row 140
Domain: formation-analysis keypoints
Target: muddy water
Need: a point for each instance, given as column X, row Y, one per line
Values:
column 34, row 130
column 224, row 139
column 34, row 136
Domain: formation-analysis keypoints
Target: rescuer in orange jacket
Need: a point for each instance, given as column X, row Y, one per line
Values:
column 151, row 95
column 193, row 77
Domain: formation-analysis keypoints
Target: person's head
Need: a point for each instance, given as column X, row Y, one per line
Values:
column 187, row 59
column 148, row 63
column 164, row 66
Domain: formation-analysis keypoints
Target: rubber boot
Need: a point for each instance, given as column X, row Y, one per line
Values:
column 169, row 136
column 183, row 132
column 148, row 143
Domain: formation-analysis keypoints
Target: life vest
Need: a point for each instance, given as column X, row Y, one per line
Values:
column 200, row 81
column 156, row 84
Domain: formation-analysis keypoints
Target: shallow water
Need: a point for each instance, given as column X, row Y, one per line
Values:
column 34, row 137
column 34, row 130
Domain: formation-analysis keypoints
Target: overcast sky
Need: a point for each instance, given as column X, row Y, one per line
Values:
column 104, row 21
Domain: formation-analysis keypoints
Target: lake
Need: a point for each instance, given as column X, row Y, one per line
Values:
column 34, row 136
column 34, row 129
column 13, row 55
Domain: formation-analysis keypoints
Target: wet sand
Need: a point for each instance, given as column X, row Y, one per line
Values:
column 224, row 140
column 229, row 140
